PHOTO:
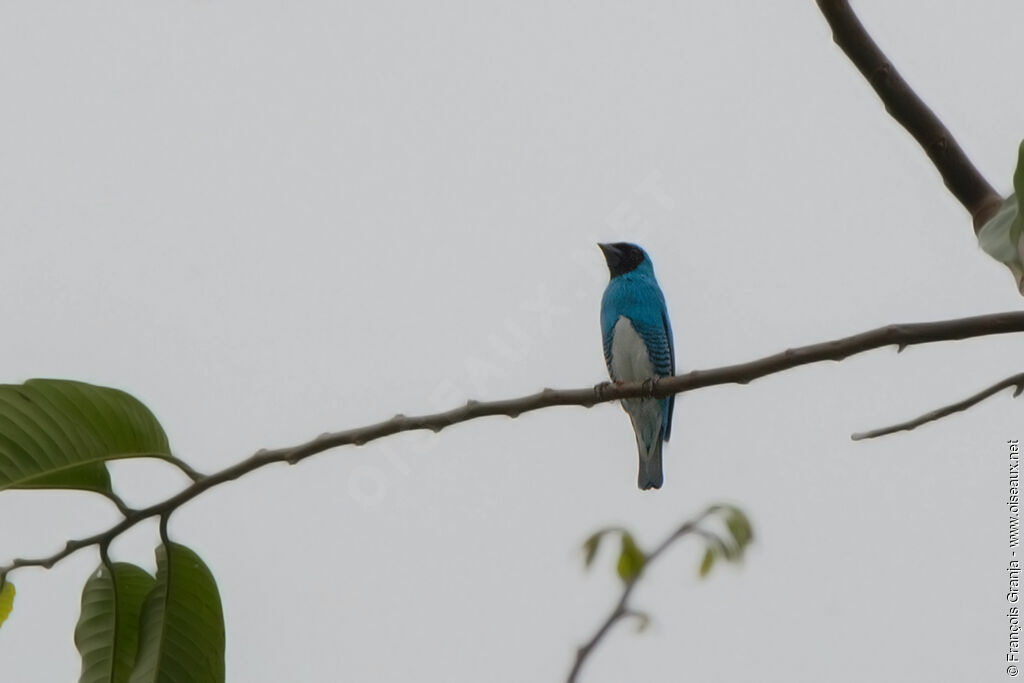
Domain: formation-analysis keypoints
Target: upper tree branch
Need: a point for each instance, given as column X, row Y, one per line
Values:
column 903, row 104
column 901, row 335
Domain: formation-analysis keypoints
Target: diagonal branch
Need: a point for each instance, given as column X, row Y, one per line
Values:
column 1016, row 381
column 903, row 104
column 622, row 609
column 901, row 335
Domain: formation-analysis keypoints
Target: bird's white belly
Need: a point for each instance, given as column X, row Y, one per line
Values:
column 630, row 360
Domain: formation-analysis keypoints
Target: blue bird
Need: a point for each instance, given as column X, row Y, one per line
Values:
column 638, row 345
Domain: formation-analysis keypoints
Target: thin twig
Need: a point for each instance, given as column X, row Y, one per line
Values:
column 1016, row 381
column 181, row 465
column 116, row 500
column 617, row 613
column 900, row 335
column 164, row 538
column 961, row 177
column 622, row 609
column 185, row 468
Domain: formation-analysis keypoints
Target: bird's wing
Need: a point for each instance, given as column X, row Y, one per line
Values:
column 606, row 338
column 657, row 336
column 671, row 370
column 609, row 316
column 658, row 340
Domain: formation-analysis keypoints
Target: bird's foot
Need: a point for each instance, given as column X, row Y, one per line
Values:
column 649, row 385
column 602, row 387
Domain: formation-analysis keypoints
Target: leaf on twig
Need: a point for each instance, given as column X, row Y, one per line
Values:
column 59, row 434
column 730, row 548
column 590, row 547
column 107, row 634
column 593, row 542
column 1018, row 184
column 631, row 558
column 1002, row 237
column 739, row 527
column 1017, row 227
column 6, row 601
column 708, row 562
column 182, row 622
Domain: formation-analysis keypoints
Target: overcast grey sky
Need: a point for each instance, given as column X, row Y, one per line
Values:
column 268, row 220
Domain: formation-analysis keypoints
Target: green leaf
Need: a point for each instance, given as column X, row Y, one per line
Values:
column 708, row 562
column 1000, row 238
column 182, row 638
column 727, row 550
column 107, row 635
column 739, row 527
column 1018, row 178
column 1018, row 189
column 591, row 545
column 59, row 434
column 631, row 558
column 6, row 601
column 995, row 236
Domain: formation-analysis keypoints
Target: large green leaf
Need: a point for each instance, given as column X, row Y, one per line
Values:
column 1002, row 236
column 182, row 639
column 995, row 238
column 107, row 635
column 6, row 601
column 59, row 434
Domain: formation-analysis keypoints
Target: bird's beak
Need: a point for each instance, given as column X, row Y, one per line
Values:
column 611, row 255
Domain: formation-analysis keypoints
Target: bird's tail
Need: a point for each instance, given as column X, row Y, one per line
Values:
column 650, row 475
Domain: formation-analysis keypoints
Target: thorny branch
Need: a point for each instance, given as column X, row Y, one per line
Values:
column 900, row 335
column 962, row 179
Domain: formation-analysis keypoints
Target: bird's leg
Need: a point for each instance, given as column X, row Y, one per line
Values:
column 649, row 385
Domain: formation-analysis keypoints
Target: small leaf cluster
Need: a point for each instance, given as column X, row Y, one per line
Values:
column 135, row 628
column 729, row 546
column 631, row 558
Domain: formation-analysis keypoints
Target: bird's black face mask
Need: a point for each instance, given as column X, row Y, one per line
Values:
column 622, row 257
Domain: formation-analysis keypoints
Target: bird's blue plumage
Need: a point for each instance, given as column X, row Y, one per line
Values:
column 634, row 306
